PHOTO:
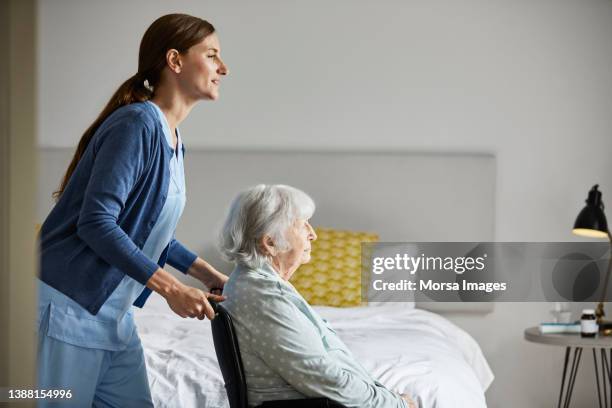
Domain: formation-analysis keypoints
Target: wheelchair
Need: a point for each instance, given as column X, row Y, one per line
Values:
column 230, row 362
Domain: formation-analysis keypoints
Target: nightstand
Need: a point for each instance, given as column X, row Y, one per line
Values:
column 574, row 344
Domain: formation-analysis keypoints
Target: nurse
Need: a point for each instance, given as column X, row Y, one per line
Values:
column 105, row 243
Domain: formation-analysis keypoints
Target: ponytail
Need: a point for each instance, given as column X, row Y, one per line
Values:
column 132, row 90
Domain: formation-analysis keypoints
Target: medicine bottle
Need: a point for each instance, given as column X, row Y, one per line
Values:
column 588, row 323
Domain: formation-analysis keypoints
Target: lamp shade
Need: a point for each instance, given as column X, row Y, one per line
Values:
column 591, row 222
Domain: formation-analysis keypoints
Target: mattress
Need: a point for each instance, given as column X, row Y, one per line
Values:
column 408, row 350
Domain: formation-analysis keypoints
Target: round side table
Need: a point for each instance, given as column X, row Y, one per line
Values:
column 574, row 344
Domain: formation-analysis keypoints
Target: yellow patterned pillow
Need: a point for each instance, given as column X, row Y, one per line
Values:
column 333, row 275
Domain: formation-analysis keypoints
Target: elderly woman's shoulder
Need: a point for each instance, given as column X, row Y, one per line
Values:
column 253, row 280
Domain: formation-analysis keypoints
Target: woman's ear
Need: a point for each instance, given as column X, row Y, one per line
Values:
column 267, row 245
column 173, row 60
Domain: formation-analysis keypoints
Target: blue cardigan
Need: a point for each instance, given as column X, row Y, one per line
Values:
column 94, row 235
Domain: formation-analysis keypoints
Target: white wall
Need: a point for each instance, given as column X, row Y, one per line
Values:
column 529, row 81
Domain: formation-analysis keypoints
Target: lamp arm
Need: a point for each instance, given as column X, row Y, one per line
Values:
column 600, row 307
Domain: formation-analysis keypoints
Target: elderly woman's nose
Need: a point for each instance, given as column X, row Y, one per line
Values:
column 312, row 235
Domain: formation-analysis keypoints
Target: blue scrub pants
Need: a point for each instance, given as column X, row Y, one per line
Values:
column 96, row 377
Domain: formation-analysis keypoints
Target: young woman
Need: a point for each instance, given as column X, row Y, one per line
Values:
column 106, row 241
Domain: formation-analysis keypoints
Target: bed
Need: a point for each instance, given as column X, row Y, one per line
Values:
column 407, row 349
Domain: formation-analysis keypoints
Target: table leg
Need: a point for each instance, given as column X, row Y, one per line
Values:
column 604, row 382
column 567, row 389
column 567, row 353
column 607, row 375
column 597, row 378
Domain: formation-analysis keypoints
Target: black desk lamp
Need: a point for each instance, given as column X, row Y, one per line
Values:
column 591, row 222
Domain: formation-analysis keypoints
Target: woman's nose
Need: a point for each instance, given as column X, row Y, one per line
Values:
column 222, row 70
column 312, row 235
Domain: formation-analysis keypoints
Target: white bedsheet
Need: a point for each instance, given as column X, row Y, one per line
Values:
column 408, row 350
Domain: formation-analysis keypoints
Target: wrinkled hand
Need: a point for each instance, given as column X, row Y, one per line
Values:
column 409, row 401
column 187, row 301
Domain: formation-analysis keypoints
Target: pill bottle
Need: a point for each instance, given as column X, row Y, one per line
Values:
column 588, row 323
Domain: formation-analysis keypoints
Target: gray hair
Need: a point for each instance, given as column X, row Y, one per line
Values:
column 258, row 211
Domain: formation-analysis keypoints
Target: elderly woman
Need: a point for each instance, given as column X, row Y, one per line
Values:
column 288, row 350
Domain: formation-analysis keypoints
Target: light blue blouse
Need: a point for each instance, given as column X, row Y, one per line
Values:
column 113, row 326
column 289, row 351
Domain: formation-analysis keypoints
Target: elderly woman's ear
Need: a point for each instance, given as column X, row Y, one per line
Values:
column 267, row 246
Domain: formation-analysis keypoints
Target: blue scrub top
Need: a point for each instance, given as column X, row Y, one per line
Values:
column 113, row 326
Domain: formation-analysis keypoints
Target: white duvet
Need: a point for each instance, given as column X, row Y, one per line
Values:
column 408, row 350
